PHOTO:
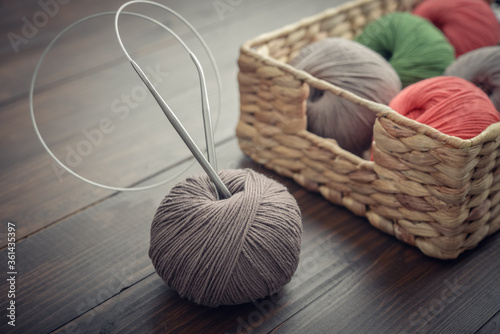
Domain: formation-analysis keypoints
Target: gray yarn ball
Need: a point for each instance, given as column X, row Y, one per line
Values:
column 357, row 69
column 229, row 251
column 482, row 68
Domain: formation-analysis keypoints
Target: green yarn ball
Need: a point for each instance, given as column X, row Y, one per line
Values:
column 413, row 46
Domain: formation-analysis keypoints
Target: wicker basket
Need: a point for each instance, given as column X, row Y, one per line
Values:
column 430, row 190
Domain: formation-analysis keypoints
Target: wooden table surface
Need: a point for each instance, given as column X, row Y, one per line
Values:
column 81, row 252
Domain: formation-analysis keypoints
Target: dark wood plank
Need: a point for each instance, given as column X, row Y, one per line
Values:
column 137, row 144
column 73, row 266
column 492, row 326
column 104, row 250
column 397, row 294
column 89, row 49
column 368, row 275
column 351, row 279
column 63, row 257
column 84, row 267
column 18, row 66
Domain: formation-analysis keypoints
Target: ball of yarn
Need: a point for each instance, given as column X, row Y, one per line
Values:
column 228, row 251
column 451, row 105
column 468, row 24
column 482, row 68
column 415, row 48
column 355, row 68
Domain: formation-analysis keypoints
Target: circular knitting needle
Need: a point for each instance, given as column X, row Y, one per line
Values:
column 207, row 120
column 212, row 163
column 183, row 133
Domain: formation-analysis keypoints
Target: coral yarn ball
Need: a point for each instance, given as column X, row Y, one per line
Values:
column 467, row 24
column 451, row 105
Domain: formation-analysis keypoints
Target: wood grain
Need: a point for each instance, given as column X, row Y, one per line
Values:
column 66, row 109
column 82, row 251
column 492, row 326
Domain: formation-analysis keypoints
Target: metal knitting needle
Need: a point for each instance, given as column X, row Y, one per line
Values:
column 207, row 120
column 207, row 167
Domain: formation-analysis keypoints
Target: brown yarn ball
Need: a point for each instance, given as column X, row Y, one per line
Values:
column 357, row 69
column 228, row 251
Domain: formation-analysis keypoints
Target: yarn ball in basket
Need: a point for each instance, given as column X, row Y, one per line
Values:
column 482, row 68
column 468, row 24
column 357, row 69
column 227, row 251
column 451, row 105
column 415, row 47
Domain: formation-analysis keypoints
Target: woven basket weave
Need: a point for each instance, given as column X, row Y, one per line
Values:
column 430, row 190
